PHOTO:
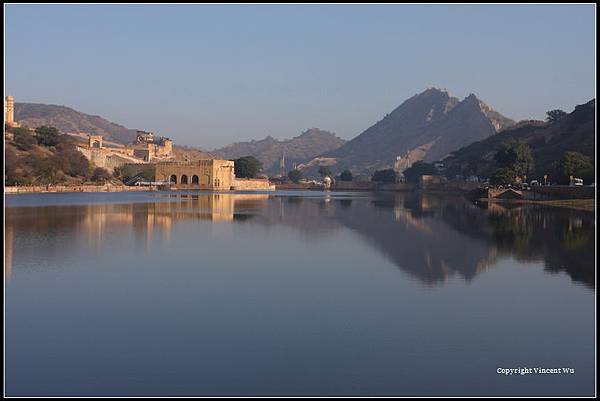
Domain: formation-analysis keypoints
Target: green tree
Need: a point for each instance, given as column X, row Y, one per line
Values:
column 577, row 165
column 419, row 168
column 387, row 176
column 503, row 176
column 324, row 171
column 47, row 135
column 516, row 156
column 555, row 115
column 346, row 175
column 295, row 176
column 247, row 167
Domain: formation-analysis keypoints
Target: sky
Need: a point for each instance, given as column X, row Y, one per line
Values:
column 210, row 75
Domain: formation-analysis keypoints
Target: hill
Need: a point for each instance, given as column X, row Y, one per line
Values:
column 46, row 157
column 269, row 151
column 548, row 142
column 67, row 120
column 74, row 123
column 426, row 127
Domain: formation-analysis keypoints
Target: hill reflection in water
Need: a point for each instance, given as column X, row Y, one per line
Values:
column 429, row 237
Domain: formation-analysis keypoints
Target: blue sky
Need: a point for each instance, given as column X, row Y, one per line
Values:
column 210, row 75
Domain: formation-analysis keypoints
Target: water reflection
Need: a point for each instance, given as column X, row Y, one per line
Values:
column 431, row 238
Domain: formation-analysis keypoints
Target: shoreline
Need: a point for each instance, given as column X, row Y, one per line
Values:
column 46, row 189
column 588, row 205
column 575, row 204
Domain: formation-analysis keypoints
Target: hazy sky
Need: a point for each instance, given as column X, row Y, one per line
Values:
column 211, row 75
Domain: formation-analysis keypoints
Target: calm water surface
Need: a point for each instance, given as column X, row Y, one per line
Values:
column 295, row 294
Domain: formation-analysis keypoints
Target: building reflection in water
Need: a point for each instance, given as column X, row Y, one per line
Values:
column 431, row 238
column 8, row 251
column 95, row 224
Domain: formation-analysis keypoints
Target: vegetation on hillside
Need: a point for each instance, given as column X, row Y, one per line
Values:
column 547, row 143
column 45, row 156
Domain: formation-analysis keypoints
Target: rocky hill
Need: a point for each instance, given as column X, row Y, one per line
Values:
column 299, row 149
column 73, row 122
column 548, row 142
column 67, row 120
column 426, row 127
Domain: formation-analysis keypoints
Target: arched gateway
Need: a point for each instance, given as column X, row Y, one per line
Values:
column 209, row 174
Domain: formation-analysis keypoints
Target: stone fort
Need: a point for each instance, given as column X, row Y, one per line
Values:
column 147, row 148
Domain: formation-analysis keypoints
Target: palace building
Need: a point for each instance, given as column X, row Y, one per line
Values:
column 203, row 174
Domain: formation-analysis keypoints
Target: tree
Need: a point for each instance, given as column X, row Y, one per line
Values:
column 247, row 167
column 295, row 176
column 324, row 171
column 503, row 176
column 48, row 170
column 577, row 165
column 100, row 175
column 346, row 175
column 516, row 156
column 47, row 135
column 23, row 138
column 414, row 172
column 555, row 115
column 387, row 176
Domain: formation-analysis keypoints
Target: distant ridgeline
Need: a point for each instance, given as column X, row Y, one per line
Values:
column 270, row 151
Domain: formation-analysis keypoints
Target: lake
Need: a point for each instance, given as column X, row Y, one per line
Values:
column 296, row 293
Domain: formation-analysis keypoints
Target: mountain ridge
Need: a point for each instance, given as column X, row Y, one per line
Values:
column 269, row 150
column 428, row 126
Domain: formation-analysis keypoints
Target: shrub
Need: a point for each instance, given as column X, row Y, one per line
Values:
column 100, row 175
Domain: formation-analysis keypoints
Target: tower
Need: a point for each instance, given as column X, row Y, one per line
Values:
column 9, row 111
column 95, row 141
column 282, row 165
